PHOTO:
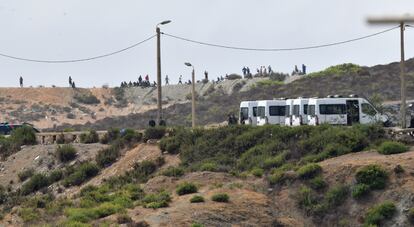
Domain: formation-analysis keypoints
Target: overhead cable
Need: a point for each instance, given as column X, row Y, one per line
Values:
column 278, row 49
column 77, row 60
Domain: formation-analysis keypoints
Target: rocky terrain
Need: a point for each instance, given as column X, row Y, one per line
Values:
column 285, row 187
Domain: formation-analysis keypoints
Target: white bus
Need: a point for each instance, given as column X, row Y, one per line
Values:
column 271, row 112
column 248, row 113
column 299, row 114
column 289, row 111
column 342, row 111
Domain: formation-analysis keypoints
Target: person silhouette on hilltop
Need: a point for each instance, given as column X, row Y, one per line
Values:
column 21, row 81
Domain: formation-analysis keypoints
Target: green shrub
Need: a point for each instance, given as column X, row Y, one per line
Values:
column 197, row 199
column 317, row 183
column 25, row 174
column 309, row 171
column 66, row 152
column 83, row 173
column 274, row 162
column 155, row 133
column 173, row 172
column 170, row 144
column 131, row 136
column 88, row 99
column 197, row 225
column 24, row 135
column 276, row 177
column 306, row 198
column 156, row 201
column 360, row 190
column 379, row 213
column 123, row 219
column 337, row 70
column 373, row 176
column 221, row 197
column 411, row 215
column 55, row 176
column 29, row 214
column 186, row 188
column 209, row 166
column 336, row 196
column 257, row 172
column 391, row 147
column 36, row 182
column 107, row 156
column 89, row 137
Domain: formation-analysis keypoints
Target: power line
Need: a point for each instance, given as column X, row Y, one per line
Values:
column 278, row 49
column 81, row 59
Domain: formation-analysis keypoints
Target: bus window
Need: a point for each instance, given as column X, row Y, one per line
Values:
column 368, row 109
column 330, row 109
column 277, row 110
column 296, row 110
column 254, row 111
column 244, row 113
column 311, row 110
column 287, row 111
column 305, row 109
column 261, row 111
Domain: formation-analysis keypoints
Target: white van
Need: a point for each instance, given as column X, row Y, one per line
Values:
column 248, row 113
column 289, row 111
column 299, row 114
column 342, row 111
column 271, row 112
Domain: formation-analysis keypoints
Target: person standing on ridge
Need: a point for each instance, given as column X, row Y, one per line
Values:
column 167, row 80
column 21, row 81
column 70, row 81
column 304, row 69
column 180, row 79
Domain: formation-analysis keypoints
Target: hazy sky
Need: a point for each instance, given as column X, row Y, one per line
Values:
column 68, row 29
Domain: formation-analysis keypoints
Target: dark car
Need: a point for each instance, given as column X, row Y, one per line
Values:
column 6, row 128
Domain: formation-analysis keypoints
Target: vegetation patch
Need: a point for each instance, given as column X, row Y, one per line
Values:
column 154, row 133
column 186, row 188
column 83, row 173
column 391, row 147
column 360, row 190
column 66, row 152
column 373, row 176
column 89, row 137
column 379, row 213
column 173, row 172
column 197, row 199
column 25, row 174
column 338, row 70
column 309, row 171
column 158, row 200
column 221, row 198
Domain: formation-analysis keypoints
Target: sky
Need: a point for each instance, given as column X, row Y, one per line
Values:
column 73, row 29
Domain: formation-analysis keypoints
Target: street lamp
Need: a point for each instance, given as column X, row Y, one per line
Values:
column 159, row 99
column 402, row 21
column 193, row 124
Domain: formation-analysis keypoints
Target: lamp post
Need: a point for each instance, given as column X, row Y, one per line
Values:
column 402, row 21
column 193, row 114
column 159, row 99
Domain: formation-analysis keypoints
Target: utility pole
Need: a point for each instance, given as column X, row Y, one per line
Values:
column 402, row 21
column 159, row 89
column 193, row 113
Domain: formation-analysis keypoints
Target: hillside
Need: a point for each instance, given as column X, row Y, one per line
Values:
column 304, row 176
column 381, row 81
column 51, row 107
column 101, row 108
